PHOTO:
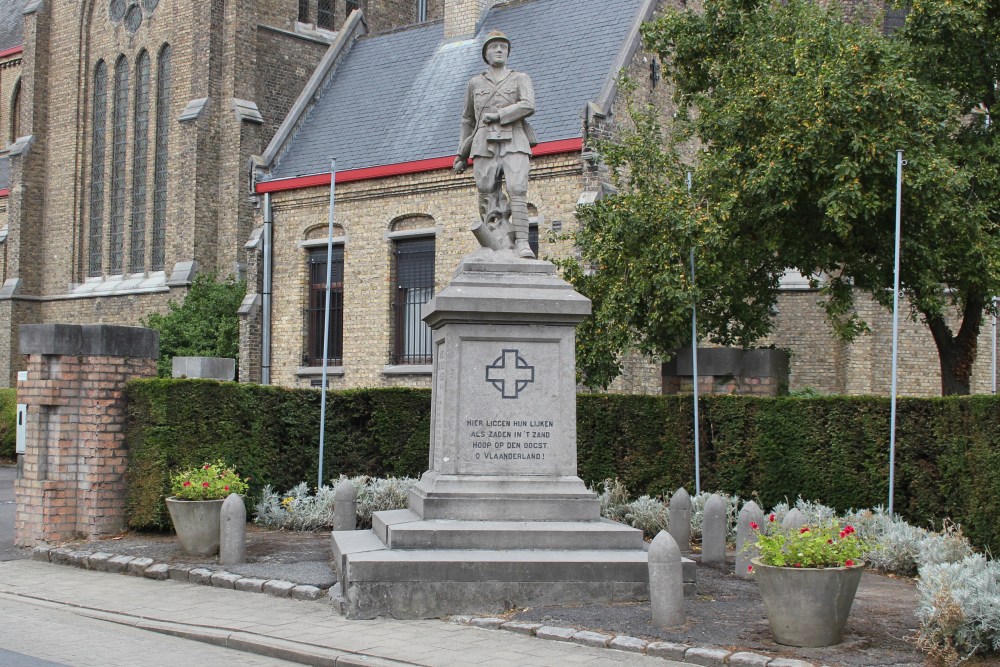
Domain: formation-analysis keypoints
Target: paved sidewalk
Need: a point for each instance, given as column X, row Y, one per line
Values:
column 307, row 632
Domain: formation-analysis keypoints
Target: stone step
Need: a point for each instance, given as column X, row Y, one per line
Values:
column 403, row 529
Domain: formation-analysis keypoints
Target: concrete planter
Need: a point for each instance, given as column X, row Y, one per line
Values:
column 807, row 606
column 197, row 524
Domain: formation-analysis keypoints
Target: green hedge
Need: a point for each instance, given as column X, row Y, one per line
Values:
column 831, row 449
column 8, row 422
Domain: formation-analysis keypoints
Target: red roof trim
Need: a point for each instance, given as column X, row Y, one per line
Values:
column 402, row 168
column 13, row 51
column 5, row 192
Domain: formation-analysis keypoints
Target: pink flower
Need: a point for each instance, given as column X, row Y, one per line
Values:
column 753, row 525
column 803, row 529
column 849, row 563
column 771, row 517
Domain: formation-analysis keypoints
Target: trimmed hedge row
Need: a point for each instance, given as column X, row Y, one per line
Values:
column 8, row 422
column 831, row 449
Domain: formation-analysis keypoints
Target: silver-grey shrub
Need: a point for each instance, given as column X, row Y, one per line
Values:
column 959, row 608
column 378, row 494
column 614, row 497
column 299, row 510
column 647, row 514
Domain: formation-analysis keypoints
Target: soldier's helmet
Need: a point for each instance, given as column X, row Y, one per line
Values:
column 495, row 36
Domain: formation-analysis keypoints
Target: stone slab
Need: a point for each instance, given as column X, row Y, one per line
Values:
column 707, row 657
column 212, row 368
column 225, row 580
column 250, row 585
column 138, row 566
column 668, row 650
column 278, row 588
column 747, row 659
column 381, row 521
column 180, row 572
column 491, row 622
column 200, row 575
column 630, row 644
column 306, row 592
column 500, row 535
column 588, row 638
column 789, row 662
column 157, row 571
column 118, row 564
column 556, row 633
column 89, row 340
column 521, row 628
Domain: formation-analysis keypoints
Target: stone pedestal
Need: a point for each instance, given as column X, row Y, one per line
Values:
column 501, row 518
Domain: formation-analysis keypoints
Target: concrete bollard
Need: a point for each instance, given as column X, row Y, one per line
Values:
column 679, row 519
column 233, row 531
column 714, row 529
column 745, row 534
column 345, row 506
column 666, row 582
column 793, row 520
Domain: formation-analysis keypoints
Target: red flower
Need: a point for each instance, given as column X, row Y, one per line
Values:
column 849, row 529
column 187, row 483
column 225, row 488
column 749, row 568
column 206, row 467
column 849, row 563
column 828, row 541
column 798, row 565
column 771, row 517
column 843, row 534
column 205, row 484
column 753, row 525
column 803, row 529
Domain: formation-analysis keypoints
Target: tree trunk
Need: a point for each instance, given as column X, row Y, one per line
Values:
column 956, row 354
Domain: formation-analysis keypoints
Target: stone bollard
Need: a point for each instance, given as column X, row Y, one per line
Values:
column 714, row 529
column 745, row 534
column 233, row 531
column 793, row 520
column 679, row 519
column 345, row 506
column 666, row 582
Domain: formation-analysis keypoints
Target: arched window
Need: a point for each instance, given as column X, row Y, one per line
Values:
column 97, row 146
column 140, row 153
column 15, row 112
column 160, row 161
column 118, row 182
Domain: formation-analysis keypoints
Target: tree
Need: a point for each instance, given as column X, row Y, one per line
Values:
column 204, row 325
column 799, row 113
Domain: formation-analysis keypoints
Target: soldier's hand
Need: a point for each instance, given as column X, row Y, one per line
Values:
column 491, row 117
column 460, row 165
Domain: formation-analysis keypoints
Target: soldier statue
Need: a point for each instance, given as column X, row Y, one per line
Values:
column 498, row 138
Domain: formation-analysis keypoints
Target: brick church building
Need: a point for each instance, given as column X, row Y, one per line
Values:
column 147, row 141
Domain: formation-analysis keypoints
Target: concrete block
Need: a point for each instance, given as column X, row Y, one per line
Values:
column 521, row 628
column 179, row 572
column 89, row 340
column 345, row 506
column 588, row 638
column 157, row 571
column 233, row 530
column 98, row 561
column 41, row 553
column 250, row 585
column 60, row 556
column 551, row 632
column 200, row 575
column 747, row 659
column 460, row 619
column 626, row 643
column 666, row 584
column 668, row 650
column 138, row 566
column 305, row 592
column 79, row 558
column 210, row 368
column 487, row 622
column 117, row 564
column 708, row 657
column 278, row 588
column 789, row 662
column 225, row 580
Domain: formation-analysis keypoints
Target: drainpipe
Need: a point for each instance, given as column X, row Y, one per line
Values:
column 265, row 355
column 421, row 11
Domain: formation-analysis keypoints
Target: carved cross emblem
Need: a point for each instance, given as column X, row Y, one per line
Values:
column 510, row 373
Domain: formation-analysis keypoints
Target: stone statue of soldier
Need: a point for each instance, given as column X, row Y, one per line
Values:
column 498, row 138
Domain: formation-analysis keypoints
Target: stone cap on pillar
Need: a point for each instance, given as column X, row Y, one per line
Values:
column 99, row 340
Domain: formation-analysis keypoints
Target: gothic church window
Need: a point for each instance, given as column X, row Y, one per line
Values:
column 97, row 147
column 140, row 153
column 15, row 112
column 158, row 244
column 119, row 185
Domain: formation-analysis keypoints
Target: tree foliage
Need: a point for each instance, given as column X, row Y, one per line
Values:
column 799, row 113
column 205, row 324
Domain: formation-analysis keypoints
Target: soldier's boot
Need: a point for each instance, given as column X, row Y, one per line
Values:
column 519, row 220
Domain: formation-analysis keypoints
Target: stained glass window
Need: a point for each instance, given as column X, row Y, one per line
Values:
column 118, row 182
column 97, row 146
column 160, row 164
column 140, row 152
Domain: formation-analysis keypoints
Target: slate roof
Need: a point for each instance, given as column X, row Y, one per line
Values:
column 12, row 23
column 397, row 97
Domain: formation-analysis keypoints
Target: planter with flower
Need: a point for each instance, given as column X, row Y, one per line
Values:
column 807, row 579
column 196, row 506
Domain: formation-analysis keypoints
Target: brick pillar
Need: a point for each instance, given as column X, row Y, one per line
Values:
column 73, row 481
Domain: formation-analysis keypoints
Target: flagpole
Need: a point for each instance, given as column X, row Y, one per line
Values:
column 326, row 323
column 895, row 330
column 694, row 368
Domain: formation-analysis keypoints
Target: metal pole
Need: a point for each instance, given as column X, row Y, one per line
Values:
column 895, row 329
column 694, row 369
column 265, row 353
column 993, row 375
column 326, row 322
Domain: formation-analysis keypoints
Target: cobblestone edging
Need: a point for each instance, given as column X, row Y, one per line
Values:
column 145, row 567
column 138, row 566
column 695, row 655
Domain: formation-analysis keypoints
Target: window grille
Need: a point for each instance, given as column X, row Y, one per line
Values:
column 160, row 161
column 140, row 157
column 413, row 282
column 317, row 306
column 303, row 11
column 100, row 109
column 324, row 14
column 350, row 6
column 118, row 185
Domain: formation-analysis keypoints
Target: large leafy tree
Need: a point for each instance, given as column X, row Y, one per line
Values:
column 799, row 113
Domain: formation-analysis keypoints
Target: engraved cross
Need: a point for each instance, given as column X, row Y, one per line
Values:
column 510, row 373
